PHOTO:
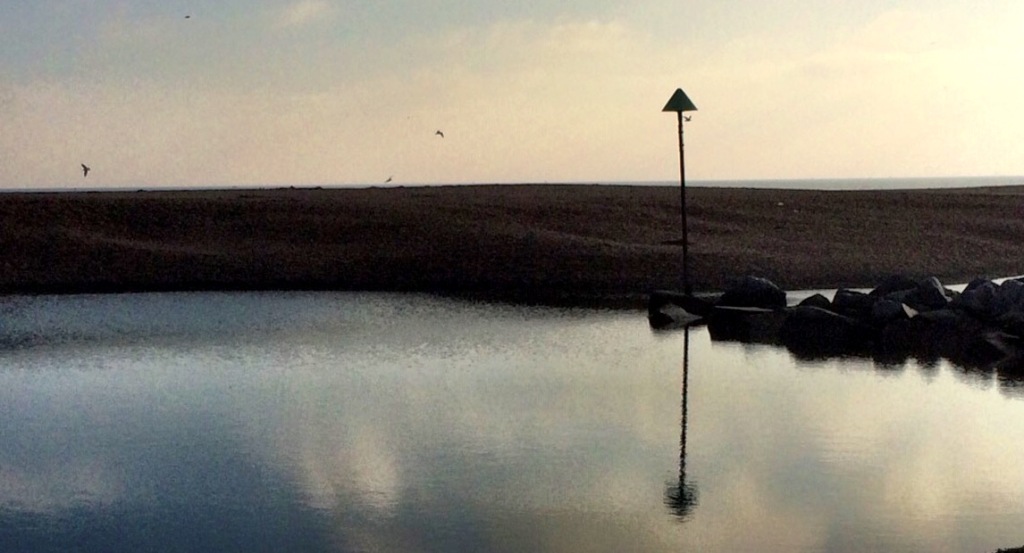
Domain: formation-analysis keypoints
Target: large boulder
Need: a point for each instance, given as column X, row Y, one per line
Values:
column 1009, row 297
column 816, row 300
column 930, row 294
column 950, row 333
column 751, row 291
column 885, row 311
column 976, row 282
column 977, row 298
column 988, row 300
column 810, row 331
column 852, row 303
column 753, row 325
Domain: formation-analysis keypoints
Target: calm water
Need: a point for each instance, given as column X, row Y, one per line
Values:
column 375, row 422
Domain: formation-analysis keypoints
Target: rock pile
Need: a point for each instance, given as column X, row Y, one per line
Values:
column 981, row 327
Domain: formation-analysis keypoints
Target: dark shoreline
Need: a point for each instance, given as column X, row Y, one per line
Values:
column 588, row 245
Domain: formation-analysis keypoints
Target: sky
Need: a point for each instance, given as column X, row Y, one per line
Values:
column 335, row 92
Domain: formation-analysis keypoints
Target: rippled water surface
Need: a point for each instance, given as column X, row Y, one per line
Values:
column 374, row 422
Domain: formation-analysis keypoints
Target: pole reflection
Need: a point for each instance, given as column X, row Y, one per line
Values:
column 681, row 496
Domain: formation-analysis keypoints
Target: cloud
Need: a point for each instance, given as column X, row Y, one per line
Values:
column 520, row 99
column 903, row 93
column 49, row 486
column 302, row 13
column 529, row 99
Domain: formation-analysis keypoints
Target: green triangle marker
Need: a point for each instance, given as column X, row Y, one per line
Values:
column 679, row 102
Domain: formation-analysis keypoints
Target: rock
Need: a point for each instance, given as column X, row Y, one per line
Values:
column 670, row 316
column 751, row 291
column 946, row 319
column 660, row 320
column 817, row 300
column 853, row 303
column 745, row 324
column 904, row 338
column 885, row 310
column 1012, row 322
column 900, row 295
column 894, row 283
column 666, row 308
column 976, row 282
column 1009, row 296
column 977, row 298
column 980, row 328
column 930, row 294
column 814, row 332
column 950, row 333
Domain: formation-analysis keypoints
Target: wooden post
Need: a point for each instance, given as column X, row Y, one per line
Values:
column 679, row 103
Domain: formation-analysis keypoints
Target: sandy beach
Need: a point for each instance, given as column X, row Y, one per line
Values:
column 577, row 244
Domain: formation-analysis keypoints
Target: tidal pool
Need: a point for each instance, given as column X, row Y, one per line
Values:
column 387, row 422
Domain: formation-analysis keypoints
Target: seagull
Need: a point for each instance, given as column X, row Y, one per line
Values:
column 687, row 117
column 85, row 170
column 439, row 133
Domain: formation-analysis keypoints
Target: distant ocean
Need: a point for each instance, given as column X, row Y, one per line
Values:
column 915, row 183
column 919, row 183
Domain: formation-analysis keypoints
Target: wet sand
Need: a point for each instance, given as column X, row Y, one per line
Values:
column 576, row 244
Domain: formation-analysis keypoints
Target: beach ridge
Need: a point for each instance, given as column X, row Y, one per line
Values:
column 539, row 243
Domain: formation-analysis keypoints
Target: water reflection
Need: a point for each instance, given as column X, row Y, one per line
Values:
column 324, row 422
column 333, row 422
column 681, row 496
column 130, row 475
column 981, row 358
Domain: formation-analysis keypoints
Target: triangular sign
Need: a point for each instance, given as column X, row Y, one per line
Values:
column 679, row 102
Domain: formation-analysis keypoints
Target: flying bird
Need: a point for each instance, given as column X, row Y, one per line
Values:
column 687, row 117
column 387, row 181
column 439, row 133
column 85, row 170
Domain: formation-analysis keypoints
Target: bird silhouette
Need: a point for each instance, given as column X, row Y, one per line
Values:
column 687, row 117
column 387, row 181
column 85, row 170
column 439, row 133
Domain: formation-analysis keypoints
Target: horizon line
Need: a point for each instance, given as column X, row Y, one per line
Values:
column 991, row 180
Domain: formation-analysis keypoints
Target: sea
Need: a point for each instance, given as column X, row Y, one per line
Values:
column 909, row 183
column 900, row 183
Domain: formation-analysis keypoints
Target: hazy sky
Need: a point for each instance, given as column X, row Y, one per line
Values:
column 337, row 91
